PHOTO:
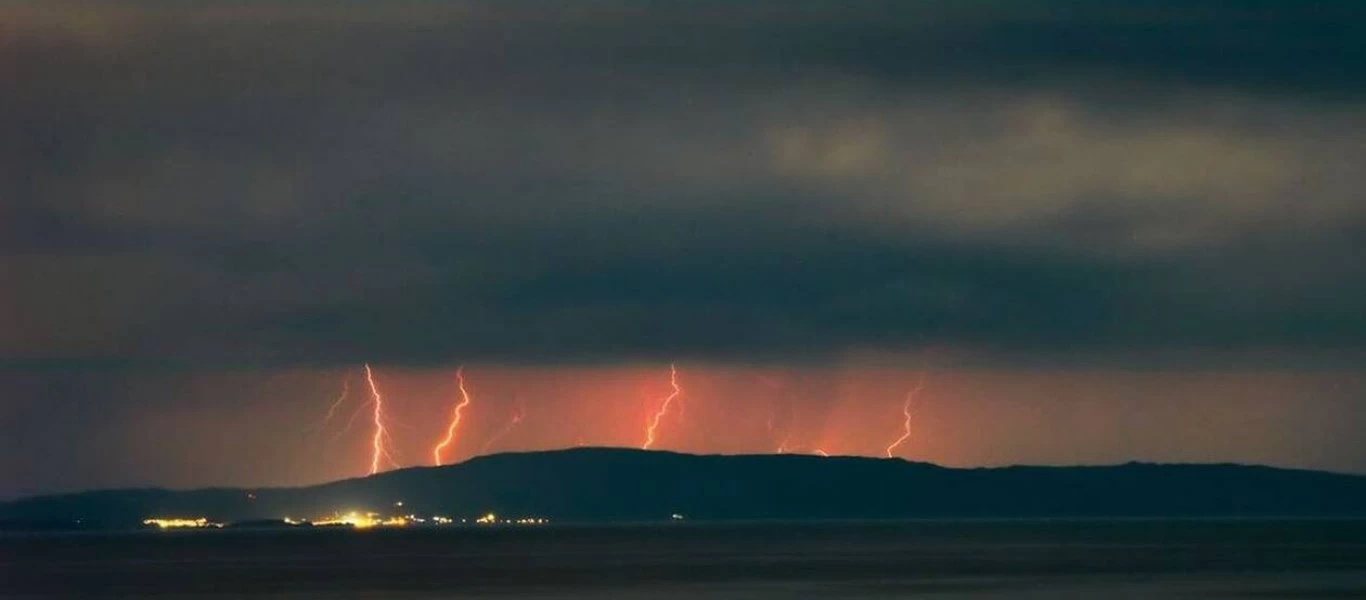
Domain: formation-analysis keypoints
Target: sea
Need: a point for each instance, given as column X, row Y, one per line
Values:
column 960, row 560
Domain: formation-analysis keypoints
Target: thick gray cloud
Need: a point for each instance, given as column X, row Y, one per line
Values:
column 1135, row 226
column 295, row 182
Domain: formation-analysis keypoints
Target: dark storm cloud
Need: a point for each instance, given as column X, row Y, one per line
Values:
column 425, row 181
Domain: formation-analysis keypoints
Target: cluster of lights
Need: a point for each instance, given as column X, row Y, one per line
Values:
column 366, row 520
column 174, row 523
column 359, row 520
column 493, row 519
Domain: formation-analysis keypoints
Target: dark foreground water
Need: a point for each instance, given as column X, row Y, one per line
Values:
column 956, row 560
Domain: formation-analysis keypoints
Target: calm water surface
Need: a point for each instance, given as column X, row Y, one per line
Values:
column 959, row 560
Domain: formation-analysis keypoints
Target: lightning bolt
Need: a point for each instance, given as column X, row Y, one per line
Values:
column 351, row 422
column 455, row 416
column 906, row 413
column 653, row 422
column 332, row 408
column 783, row 448
column 516, row 418
column 379, row 440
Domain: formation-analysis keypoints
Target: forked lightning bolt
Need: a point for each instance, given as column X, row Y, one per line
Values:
column 455, row 416
column 653, row 422
column 351, row 422
column 906, row 414
column 379, row 440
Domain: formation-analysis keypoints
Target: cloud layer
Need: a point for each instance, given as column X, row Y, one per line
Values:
column 323, row 182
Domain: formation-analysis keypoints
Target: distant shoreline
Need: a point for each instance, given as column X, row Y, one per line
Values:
column 599, row 485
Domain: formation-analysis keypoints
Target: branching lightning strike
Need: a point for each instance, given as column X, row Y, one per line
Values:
column 906, row 414
column 351, row 422
column 332, row 410
column 379, row 440
column 455, row 416
column 653, row 422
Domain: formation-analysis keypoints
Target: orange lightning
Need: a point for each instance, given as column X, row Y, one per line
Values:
column 516, row 418
column 379, row 441
column 351, row 423
column 653, row 423
column 783, row 448
column 332, row 409
column 906, row 413
column 455, row 416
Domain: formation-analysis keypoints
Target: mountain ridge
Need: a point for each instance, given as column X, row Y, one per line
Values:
column 617, row 484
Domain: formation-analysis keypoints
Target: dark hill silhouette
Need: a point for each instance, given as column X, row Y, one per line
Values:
column 601, row 484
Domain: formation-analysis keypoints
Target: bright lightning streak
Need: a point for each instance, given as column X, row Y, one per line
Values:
column 653, row 423
column 516, row 419
column 455, row 416
column 906, row 413
column 379, row 448
column 822, row 453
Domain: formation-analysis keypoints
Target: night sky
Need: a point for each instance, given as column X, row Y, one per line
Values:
column 1101, row 231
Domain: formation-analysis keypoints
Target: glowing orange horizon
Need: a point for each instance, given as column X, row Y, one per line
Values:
column 511, row 427
column 516, row 419
column 653, row 422
column 455, row 416
column 906, row 413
